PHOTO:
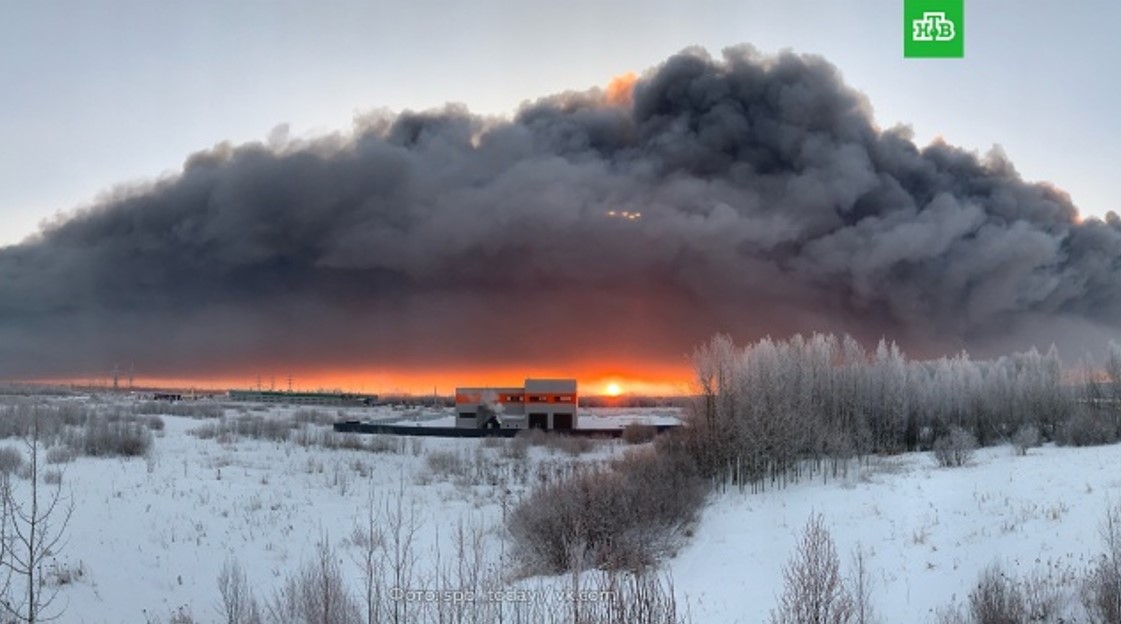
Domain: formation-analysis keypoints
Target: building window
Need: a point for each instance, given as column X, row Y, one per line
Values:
column 467, row 414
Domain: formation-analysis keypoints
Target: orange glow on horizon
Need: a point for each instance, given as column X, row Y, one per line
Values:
column 653, row 380
column 621, row 89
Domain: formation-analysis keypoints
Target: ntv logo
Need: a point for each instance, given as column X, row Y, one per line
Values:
column 933, row 28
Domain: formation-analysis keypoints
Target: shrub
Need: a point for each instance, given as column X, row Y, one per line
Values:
column 445, row 463
column 813, row 589
column 60, row 454
column 621, row 517
column 313, row 417
column 955, row 448
column 238, row 605
column 1026, row 437
column 195, row 410
column 1001, row 599
column 1087, row 428
column 101, row 438
column 997, row 599
column 516, row 449
column 52, row 477
column 155, row 423
column 573, row 445
column 533, row 436
column 637, row 433
column 10, row 460
column 1101, row 591
column 385, row 444
column 493, row 442
column 316, row 593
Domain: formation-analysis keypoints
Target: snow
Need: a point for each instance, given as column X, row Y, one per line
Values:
column 927, row 531
column 152, row 534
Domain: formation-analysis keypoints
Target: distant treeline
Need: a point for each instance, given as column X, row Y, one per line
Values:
column 764, row 409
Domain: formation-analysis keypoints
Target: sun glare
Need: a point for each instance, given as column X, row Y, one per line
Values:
column 613, row 389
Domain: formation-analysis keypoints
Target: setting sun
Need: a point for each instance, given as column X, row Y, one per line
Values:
column 613, row 389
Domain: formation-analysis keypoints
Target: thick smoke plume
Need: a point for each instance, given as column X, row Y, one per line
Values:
column 769, row 202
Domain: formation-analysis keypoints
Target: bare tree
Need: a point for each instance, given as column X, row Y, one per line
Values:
column 34, row 530
column 860, row 588
column 386, row 555
column 369, row 538
column 317, row 594
column 401, row 525
column 813, row 591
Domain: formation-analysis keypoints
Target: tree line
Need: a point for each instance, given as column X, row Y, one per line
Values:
column 776, row 410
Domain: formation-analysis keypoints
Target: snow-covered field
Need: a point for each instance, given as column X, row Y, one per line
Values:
column 927, row 531
column 151, row 535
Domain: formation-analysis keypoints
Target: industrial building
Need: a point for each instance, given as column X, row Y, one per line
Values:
column 539, row 404
column 303, row 398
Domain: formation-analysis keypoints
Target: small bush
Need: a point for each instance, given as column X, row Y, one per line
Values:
column 493, row 442
column 52, row 477
column 572, row 445
column 1087, row 428
column 1026, row 437
column 101, row 438
column 1101, row 591
column 238, row 604
column 10, row 460
column 622, row 517
column 60, row 454
column 316, row 593
column 385, row 444
column 997, row 599
column 57, row 574
column 155, row 423
column 558, row 442
column 445, row 463
column 1001, row 599
column 533, row 437
column 516, row 448
column 313, row 417
column 955, row 448
column 637, row 433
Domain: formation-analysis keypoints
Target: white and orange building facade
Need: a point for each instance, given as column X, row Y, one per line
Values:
column 539, row 404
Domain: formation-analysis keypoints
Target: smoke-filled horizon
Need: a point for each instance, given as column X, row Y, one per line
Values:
column 746, row 194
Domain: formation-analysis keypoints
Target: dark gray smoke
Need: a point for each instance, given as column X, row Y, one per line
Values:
column 770, row 203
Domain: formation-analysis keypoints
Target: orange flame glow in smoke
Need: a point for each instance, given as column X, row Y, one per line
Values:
column 620, row 89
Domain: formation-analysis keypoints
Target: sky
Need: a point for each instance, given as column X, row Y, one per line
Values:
column 100, row 100
column 108, row 93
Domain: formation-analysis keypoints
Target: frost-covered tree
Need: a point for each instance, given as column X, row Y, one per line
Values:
column 814, row 590
column 776, row 409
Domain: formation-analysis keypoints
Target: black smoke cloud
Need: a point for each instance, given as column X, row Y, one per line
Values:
column 770, row 203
